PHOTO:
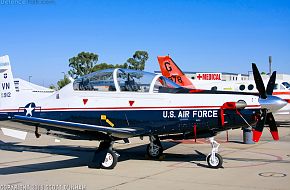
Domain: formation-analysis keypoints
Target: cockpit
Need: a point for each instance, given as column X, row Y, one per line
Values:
column 123, row 80
column 282, row 86
column 287, row 85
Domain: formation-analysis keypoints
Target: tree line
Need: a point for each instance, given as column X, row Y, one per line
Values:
column 87, row 62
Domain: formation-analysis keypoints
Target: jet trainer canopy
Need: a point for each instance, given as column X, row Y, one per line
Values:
column 123, row 80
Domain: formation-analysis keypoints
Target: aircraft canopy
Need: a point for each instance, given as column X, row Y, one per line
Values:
column 123, row 80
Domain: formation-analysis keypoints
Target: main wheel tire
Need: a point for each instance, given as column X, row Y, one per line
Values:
column 154, row 151
column 110, row 161
column 214, row 163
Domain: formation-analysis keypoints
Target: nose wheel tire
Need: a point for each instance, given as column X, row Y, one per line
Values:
column 110, row 161
column 154, row 151
column 214, row 161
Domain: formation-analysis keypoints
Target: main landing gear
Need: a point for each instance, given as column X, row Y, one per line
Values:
column 104, row 157
column 154, row 148
column 36, row 132
column 214, row 160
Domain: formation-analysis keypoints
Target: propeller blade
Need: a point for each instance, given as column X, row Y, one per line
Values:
column 259, row 82
column 257, row 132
column 271, row 84
column 273, row 127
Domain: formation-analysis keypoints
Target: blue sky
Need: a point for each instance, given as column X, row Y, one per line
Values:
column 200, row 35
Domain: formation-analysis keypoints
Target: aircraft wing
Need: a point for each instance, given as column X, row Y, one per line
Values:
column 116, row 132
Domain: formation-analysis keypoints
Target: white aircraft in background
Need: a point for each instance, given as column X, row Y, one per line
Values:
column 170, row 70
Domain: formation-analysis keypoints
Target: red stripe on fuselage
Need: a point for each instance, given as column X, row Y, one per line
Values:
column 282, row 93
column 121, row 108
column 196, row 90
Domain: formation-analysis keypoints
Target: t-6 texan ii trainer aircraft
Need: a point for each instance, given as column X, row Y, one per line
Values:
column 117, row 104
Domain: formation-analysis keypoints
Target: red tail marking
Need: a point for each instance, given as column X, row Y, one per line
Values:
column 256, row 135
column 131, row 102
column 275, row 135
column 85, row 101
column 170, row 70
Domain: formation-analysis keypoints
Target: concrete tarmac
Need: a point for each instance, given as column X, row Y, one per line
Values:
column 47, row 164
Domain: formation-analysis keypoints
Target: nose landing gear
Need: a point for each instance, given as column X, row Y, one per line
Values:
column 214, row 160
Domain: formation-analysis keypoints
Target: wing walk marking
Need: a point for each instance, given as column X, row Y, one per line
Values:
column 104, row 117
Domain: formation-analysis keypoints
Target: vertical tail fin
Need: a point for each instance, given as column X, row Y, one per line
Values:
column 7, row 88
column 170, row 70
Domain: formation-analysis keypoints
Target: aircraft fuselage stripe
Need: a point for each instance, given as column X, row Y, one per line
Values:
column 123, row 108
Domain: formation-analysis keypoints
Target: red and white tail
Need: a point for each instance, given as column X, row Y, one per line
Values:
column 171, row 71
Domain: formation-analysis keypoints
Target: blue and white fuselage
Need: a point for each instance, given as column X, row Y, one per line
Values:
column 148, row 103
